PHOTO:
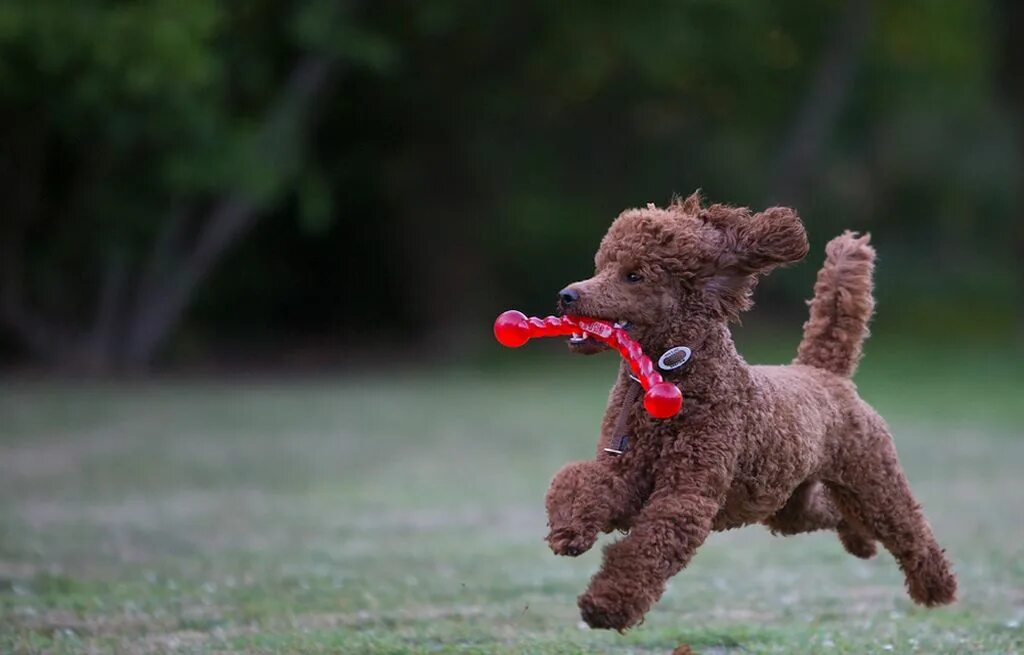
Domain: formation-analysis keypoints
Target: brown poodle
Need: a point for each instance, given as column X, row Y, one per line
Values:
column 792, row 447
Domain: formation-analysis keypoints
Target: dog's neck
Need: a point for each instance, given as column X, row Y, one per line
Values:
column 714, row 367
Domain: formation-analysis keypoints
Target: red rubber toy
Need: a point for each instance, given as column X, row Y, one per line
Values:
column 661, row 399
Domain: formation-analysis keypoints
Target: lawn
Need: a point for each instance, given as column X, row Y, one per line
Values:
column 403, row 513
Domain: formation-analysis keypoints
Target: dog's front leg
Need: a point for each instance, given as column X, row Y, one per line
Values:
column 586, row 498
column 672, row 525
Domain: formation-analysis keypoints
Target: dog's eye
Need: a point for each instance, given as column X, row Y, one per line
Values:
column 633, row 277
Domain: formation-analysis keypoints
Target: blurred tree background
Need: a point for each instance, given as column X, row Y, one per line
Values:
column 317, row 179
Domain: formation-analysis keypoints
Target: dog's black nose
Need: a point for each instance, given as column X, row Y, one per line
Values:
column 568, row 296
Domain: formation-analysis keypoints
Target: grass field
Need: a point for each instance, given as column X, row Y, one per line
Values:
column 402, row 513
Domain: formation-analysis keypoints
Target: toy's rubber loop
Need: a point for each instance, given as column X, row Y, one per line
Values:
column 661, row 400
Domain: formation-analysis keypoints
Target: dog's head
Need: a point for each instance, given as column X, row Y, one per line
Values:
column 657, row 265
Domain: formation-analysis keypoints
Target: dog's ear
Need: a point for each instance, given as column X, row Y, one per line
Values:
column 748, row 246
column 753, row 244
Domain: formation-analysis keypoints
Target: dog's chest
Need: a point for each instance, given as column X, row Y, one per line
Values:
column 636, row 443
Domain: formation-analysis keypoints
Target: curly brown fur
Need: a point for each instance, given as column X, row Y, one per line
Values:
column 791, row 447
column 841, row 308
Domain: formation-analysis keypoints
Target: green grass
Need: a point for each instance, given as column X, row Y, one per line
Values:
column 403, row 513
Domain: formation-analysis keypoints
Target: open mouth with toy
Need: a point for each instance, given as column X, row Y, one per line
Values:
column 582, row 343
column 661, row 399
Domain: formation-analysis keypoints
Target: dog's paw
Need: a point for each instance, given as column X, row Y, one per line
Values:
column 569, row 542
column 609, row 612
column 930, row 579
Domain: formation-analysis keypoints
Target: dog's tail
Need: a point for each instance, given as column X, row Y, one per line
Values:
column 841, row 307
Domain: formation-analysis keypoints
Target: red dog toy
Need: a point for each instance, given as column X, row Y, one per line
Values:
column 661, row 400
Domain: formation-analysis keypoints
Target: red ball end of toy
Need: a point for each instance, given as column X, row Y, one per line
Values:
column 511, row 329
column 663, row 400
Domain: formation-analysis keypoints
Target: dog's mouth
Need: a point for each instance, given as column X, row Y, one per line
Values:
column 584, row 344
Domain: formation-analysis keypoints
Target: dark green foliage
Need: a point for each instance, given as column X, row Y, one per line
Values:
column 463, row 157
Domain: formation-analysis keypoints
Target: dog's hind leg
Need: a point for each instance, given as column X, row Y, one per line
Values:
column 811, row 508
column 871, row 490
